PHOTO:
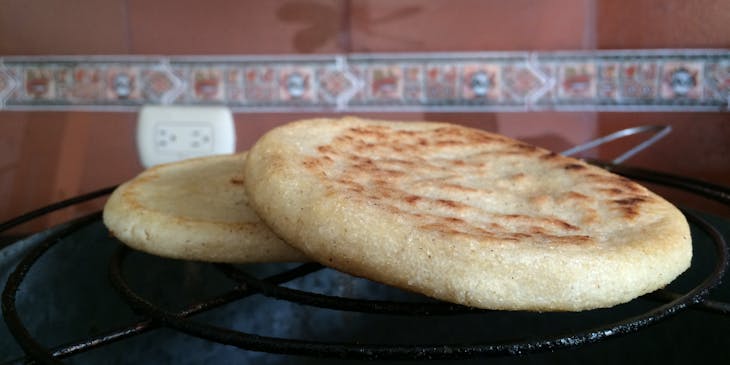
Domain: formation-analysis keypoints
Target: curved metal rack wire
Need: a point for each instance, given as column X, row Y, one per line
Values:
column 156, row 317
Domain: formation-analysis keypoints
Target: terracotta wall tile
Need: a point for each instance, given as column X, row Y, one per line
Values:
column 663, row 24
column 470, row 25
column 235, row 26
column 697, row 147
column 11, row 135
column 63, row 27
column 556, row 131
column 111, row 156
column 251, row 126
column 33, row 171
column 552, row 130
column 46, row 156
column 12, row 130
column 57, row 155
column 63, row 154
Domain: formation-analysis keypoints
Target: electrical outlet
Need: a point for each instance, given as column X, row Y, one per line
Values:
column 172, row 133
column 173, row 138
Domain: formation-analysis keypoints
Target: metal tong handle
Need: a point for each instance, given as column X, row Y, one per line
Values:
column 659, row 132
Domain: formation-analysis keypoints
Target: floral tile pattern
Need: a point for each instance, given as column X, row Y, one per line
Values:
column 598, row 80
column 519, row 82
column 681, row 80
column 413, row 89
column 639, row 81
column 608, row 81
column 717, row 80
column 296, row 84
column 40, row 83
column 124, row 83
column 441, row 82
column 81, row 84
column 261, row 85
column 157, row 84
column 384, row 83
column 206, row 84
column 332, row 84
column 577, row 81
column 481, row 83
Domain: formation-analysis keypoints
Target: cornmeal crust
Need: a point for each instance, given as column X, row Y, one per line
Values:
column 195, row 209
column 464, row 215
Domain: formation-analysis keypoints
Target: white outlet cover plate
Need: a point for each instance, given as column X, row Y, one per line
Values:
column 173, row 133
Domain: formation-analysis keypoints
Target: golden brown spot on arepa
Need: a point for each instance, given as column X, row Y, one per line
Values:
column 630, row 206
column 420, row 174
column 311, row 163
column 574, row 167
column 448, row 142
column 460, row 188
column 611, row 191
column 540, row 200
column 517, row 177
column 325, row 149
column 572, row 195
column 526, row 147
column 450, row 204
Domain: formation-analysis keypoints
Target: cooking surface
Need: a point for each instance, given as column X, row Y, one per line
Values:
column 67, row 296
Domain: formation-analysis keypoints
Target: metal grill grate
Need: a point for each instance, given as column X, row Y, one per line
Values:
column 155, row 316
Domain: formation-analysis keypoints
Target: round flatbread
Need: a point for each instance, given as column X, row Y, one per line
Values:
column 195, row 209
column 464, row 215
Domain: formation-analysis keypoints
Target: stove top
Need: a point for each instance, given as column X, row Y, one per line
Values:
column 79, row 294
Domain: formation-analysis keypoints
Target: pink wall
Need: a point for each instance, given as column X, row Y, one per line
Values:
column 46, row 156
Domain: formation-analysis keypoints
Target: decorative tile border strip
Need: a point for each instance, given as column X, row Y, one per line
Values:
column 638, row 80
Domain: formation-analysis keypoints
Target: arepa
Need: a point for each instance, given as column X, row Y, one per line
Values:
column 194, row 209
column 464, row 215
